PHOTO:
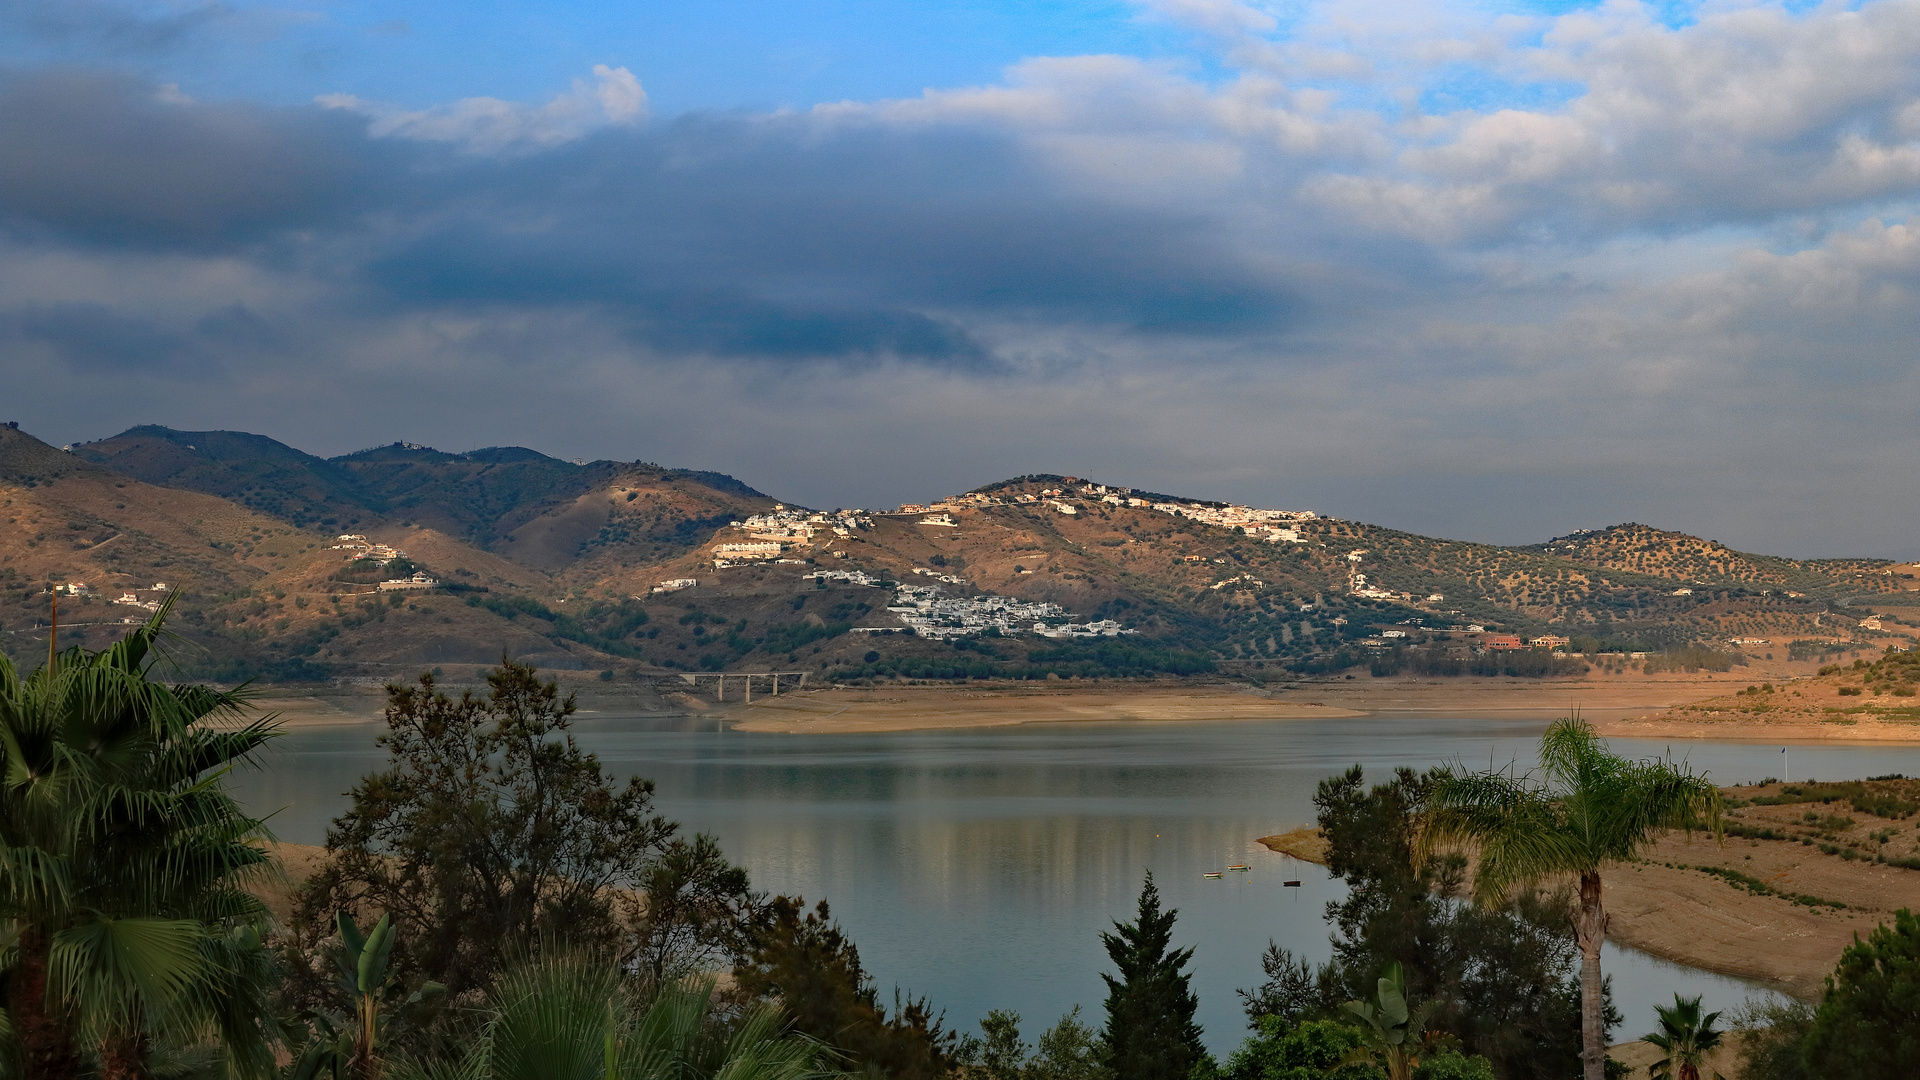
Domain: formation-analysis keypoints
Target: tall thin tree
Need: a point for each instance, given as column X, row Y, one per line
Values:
column 1150, row 1032
column 1582, row 810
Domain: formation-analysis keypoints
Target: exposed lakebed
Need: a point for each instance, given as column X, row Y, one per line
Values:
column 978, row 867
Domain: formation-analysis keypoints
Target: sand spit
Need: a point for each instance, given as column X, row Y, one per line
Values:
column 1776, row 906
column 1304, row 843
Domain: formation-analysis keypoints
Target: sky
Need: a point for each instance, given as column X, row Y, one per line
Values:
column 1491, row 271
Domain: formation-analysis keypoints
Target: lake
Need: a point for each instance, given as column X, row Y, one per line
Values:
column 978, row 867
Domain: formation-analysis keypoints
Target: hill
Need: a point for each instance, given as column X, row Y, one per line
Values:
column 1641, row 549
column 520, row 502
column 581, row 566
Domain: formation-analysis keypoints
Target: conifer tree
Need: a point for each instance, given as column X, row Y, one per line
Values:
column 1150, row 1033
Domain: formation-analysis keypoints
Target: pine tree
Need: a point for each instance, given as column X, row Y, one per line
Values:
column 1150, row 1032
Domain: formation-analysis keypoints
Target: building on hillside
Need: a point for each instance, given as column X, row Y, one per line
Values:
column 673, row 585
column 1502, row 643
column 1549, row 641
column 416, row 583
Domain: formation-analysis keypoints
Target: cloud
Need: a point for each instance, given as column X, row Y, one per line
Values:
column 1672, row 285
column 115, row 26
column 486, row 125
column 121, row 161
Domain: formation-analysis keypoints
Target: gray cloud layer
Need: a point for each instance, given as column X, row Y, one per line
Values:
column 1685, row 296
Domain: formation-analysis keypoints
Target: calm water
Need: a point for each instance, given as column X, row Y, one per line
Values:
column 979, row 867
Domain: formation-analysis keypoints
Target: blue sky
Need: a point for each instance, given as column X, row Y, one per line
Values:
column 1492, row 272
column 719, row 54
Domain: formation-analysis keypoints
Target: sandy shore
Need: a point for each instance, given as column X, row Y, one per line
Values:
column 1667, row 727
column 299, row 712
column 1595, row 697
column 916, row 708
column 908, row 708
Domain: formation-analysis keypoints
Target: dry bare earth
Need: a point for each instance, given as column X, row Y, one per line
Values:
column 1762, row 928
column 1883, row 706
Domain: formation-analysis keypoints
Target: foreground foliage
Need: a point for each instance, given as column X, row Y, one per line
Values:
column 122, row 870
column 804, row 961
column 1868, row 1023
column 1502, row 977
column 573, row 1017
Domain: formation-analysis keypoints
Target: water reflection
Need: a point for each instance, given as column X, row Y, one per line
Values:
column 979, row 867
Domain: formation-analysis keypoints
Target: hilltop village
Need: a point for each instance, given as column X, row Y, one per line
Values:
column 301, row 569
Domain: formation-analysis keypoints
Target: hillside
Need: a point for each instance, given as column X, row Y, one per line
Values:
column 507, row 497
column 1641, row 549
column 1871, row 697
column 563, row 563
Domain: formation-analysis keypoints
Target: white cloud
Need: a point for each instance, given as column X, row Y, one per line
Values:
column 487, row 125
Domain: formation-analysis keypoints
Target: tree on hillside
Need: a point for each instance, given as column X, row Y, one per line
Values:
column 1150, row 1032
column 1868, row 1023
column 122, row 866
column 492, row 833
column 1583, row 809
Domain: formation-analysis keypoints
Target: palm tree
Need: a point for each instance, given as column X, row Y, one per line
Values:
column 570, row 1017
column 121, row 864
column 1686, row 1036
column 1582, row 810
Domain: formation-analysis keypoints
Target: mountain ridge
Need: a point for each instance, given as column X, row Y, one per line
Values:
column 565, row 564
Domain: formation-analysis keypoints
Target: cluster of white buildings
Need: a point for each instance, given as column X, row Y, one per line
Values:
column 1274, row 526
column 851, row 577
column 81, row 588
column 933, row 615
column 673, row 585
column 1097, row 628
column 773, row 534
column 358, row 547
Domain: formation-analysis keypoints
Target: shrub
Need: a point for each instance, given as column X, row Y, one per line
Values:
column 1866, row 1024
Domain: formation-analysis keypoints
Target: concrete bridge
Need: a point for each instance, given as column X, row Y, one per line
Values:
column 794, row 679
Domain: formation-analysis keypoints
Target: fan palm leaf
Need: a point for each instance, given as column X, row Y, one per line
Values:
column 123, row 861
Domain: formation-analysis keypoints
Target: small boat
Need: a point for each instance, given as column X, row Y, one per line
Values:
column 1291, row 884
column 1213, row 873
column 1240, row 866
